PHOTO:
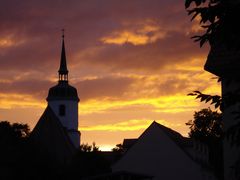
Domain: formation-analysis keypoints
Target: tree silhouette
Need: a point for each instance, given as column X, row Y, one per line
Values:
column 13, row 131
column 207, row 127
column 232, row 133
column 206, row 124
column 12, row 137
column 218, row 18
column 13, row 141
column 89, row 148
column 215, row 100
column 87, row 163
column 19, row 158
column 229, row 99
column 118, row 148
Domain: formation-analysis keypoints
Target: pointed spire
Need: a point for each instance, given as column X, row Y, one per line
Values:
column 63, row 71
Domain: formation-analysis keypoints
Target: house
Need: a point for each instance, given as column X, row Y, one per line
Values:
column 165, row 154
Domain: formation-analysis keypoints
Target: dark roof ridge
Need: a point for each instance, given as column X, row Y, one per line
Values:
column 179, row 140
column 168, row 130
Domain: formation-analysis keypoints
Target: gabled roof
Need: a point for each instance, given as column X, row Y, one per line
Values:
column 175, row 136
column 158, row 152
column 181, row 141
column 51, row 137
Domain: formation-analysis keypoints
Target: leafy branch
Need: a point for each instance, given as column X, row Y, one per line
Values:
column 233, row 133
column 210, row 14
column 213, row 100
column 218, row 18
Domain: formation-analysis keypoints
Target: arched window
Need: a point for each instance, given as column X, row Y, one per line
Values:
column 62, row 110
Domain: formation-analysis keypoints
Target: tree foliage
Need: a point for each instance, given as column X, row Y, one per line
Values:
column 233, row 133
column 88, row 161
column 16, row 155
column 15, row 130
column 206, row 124
column 207, row 127
column 218, row 18
column 89, row 148
column 118, row 148
column 12, row 135
column 215, row 100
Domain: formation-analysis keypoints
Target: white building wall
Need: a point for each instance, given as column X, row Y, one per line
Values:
column 70, row 119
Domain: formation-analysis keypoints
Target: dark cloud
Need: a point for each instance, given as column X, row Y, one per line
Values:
column 35, row 87
column 174, row 85
column 33, row 29
column 108, row 87
column 175, row 48
column 38, row 24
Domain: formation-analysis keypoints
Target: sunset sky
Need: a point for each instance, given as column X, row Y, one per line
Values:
column 132, row 62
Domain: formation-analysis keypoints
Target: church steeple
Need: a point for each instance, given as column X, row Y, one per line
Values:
column 63, row 71
column 63, row 100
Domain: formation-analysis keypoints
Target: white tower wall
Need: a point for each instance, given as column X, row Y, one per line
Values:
column 70, row 119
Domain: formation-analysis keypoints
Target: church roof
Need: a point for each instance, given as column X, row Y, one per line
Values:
column 62, row 91
column 50, row 136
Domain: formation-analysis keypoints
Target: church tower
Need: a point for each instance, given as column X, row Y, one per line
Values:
column 63, row 100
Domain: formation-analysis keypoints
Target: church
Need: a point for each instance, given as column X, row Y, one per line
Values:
column 56, row 132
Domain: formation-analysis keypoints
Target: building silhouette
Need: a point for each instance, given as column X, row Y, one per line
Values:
column 56, row 132
column 163, row 153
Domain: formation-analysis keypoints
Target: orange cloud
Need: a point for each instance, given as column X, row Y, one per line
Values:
column 11, row 101
column 171, row 104
column 145, row 34
column 130, row 125
column 6, row 42
column 10, row 41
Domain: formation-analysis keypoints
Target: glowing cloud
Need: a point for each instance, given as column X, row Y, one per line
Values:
column 19, row 101
column 130, row 125
column 9, row 41
column 171, row 104
column 145, row 33
column 132, row 62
